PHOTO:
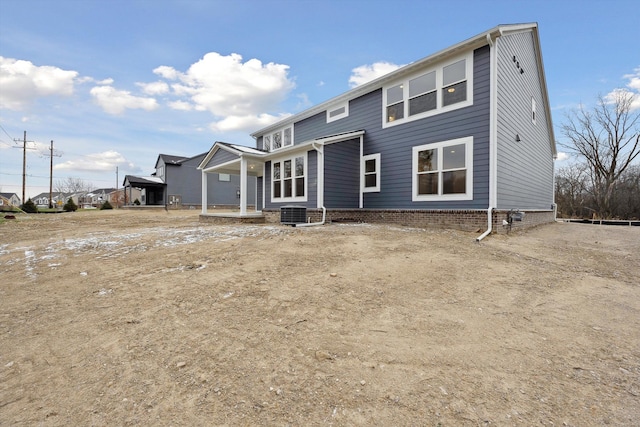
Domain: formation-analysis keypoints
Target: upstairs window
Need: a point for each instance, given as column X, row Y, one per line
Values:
column 454, row 81
column 395, row 103
column 533, row 111
column 428, row 93
column 422, row 94
column 338, row 112
column 278, row 139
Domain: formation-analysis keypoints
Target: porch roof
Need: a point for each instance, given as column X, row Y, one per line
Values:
column 256, row 158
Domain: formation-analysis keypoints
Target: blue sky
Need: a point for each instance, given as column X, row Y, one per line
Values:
column 115, row 83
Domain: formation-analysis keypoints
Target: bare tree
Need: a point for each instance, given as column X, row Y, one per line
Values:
column 608, row 138
column 572, row 190
column 73, row 185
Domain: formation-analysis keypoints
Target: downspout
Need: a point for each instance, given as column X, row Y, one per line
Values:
column 493, row 144
column 489, row 225
column 324, row 210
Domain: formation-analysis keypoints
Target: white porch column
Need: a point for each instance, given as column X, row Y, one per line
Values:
column 243, row 186
column 205, row 202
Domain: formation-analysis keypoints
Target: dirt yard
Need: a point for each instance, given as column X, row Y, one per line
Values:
column 151, row 318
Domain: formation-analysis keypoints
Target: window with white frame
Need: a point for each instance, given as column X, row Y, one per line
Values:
column 289, row 179
column 278, row 139
column 429, row 92
column 371, row 173
column 224, row 177
column 443, row 171
column 533, row 111
column 338, row 112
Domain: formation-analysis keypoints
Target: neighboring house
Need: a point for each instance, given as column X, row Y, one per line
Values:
column 462, row 138
column 9, row 200
column 58, row 199
column 177, row 183
column 95, row 198
column 123, row 196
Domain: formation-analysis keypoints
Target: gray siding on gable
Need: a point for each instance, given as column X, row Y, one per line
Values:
column 525, row 168
column 395, row 143
column 221, row 157
column 342, row 175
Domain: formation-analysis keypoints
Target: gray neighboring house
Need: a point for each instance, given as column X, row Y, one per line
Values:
column 9, row 200
column 95, row 198
column 462, row 138
column 177, row 183
column 58, row 199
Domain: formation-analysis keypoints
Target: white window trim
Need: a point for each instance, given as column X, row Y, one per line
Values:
column 375, row 189
column 281, row 130
column 281, row 160
column 338, row 116
column 534, row 113
column 224, row 177
column 439, row 86
column 468, row 161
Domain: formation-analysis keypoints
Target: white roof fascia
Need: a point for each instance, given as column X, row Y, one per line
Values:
column 545, row 92
column 216, row 146
column 472, row 43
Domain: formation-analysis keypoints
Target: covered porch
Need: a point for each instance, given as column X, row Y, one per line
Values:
column 238, row 160
column 151, row 189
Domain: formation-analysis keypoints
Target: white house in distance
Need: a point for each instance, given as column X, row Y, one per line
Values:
column 9, row 200
column 461, row 138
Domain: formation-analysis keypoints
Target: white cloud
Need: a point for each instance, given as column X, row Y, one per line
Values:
column 634, row 80
column 232, row 123
column 181, row 105
column 154, row 88
column 115, row 101
column 562, row 156
column 366, row 73
column 97, row 162
column 633, row 88
column 239, row 93
column 168, row 73
column 22, row 82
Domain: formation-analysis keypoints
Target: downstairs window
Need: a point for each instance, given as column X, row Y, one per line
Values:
column 443, row 170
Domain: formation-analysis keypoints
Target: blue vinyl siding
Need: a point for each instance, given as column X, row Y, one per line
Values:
column 342, row 175
column 395, row 144
column 525, row 168
column 259, row 199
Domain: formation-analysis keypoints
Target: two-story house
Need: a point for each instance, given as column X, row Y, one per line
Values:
column 177, row 183
column 462, row 138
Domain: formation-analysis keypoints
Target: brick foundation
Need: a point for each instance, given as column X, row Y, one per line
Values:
column 468, row 220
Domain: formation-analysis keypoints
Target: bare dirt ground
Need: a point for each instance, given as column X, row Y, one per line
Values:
column 151, row 318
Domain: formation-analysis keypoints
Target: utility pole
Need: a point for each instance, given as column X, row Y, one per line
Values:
column 24, row 163
column 24, row 166
column 117, row 194
column 51, row 155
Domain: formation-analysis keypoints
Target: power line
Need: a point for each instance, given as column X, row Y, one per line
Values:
column 7, row 133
